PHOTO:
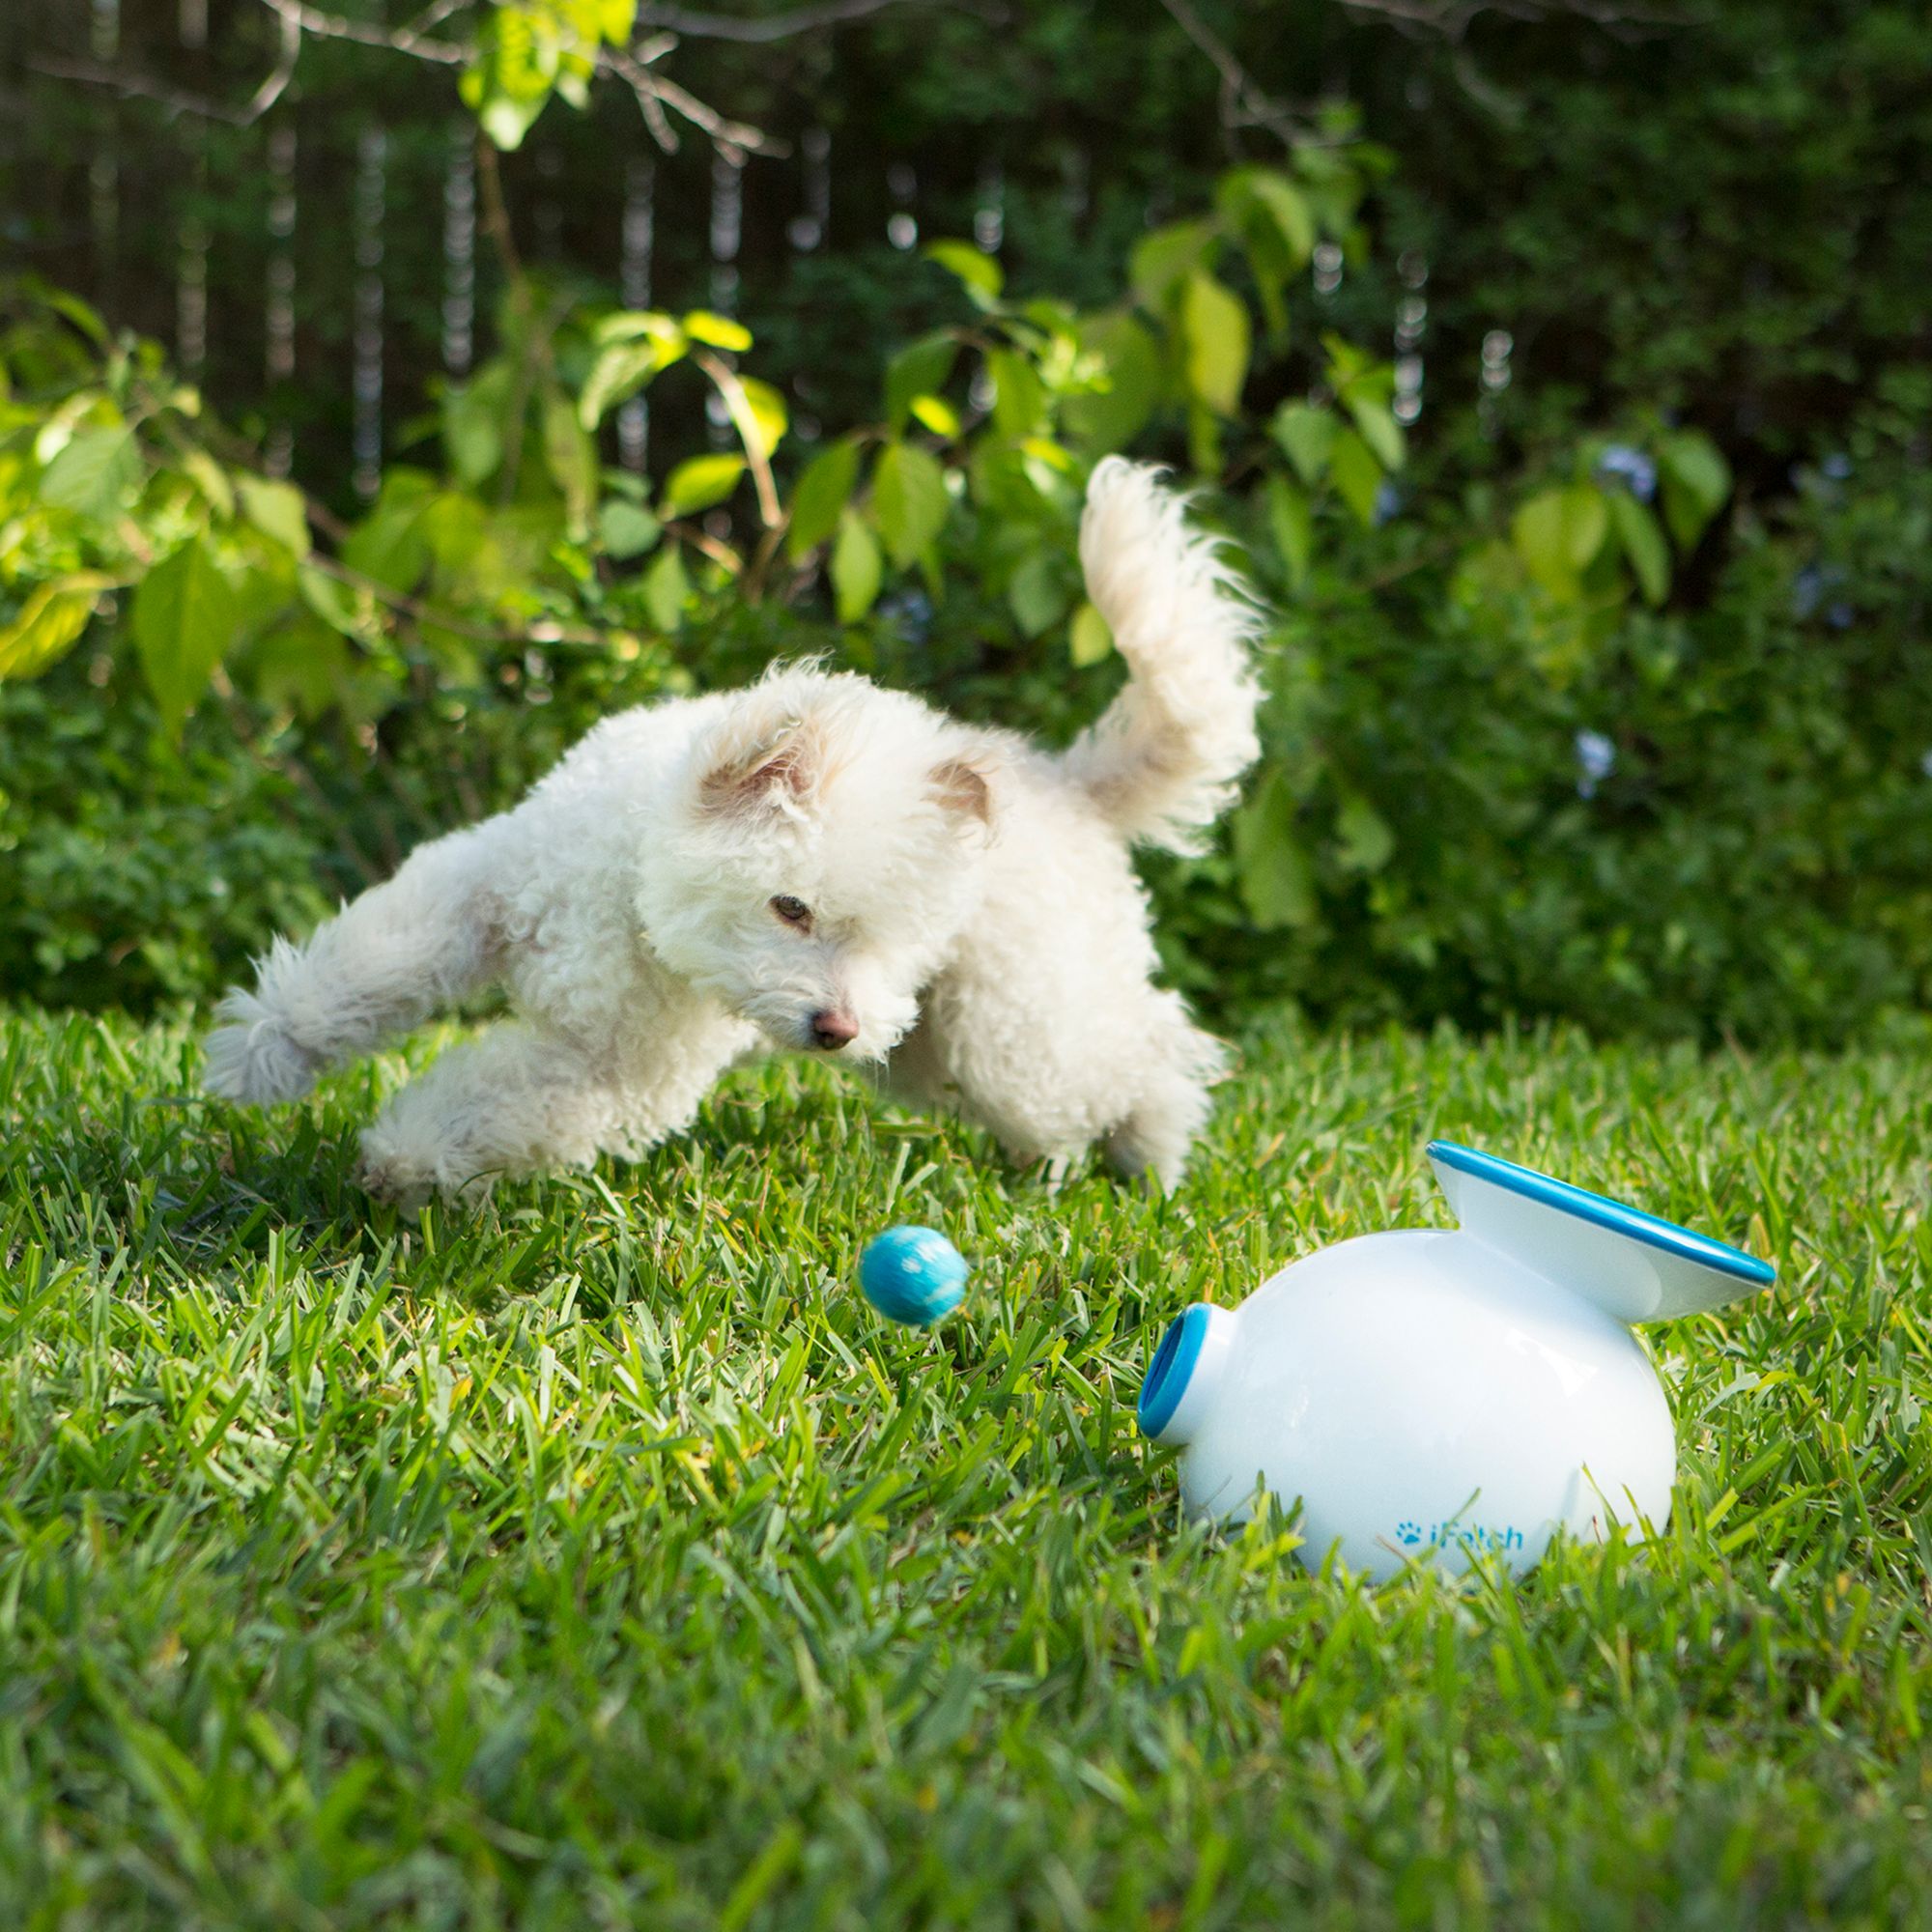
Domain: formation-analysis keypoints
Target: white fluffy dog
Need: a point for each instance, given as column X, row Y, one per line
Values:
column 817, row 861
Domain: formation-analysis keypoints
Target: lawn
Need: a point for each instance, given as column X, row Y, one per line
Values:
column 599, row 1559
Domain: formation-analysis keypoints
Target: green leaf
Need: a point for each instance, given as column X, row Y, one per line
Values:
column 457, row 530
column 856, row 568
column 571, row 458
column 822, row 493
column 1643, row 545
column 668, row 589
column 614, row 19
column 1109, row 419
column 212, row 480
column 1379, row 429
column 49, row 623
column 623, row 368
column 1277, row 880
column 1695, row 482
column 1019, row 397
column 94, row 473
column 1586, row 522
column 919, row 369
column 1204, row 440
column 909, row 499
column 1088, row 638
column 632, row 325
column 1271, row 218
column 1293, row 523
column 1164, row 257
column 1350, row 364
column 303, row 667
column 508, row 83
column 183, row 620
column 699, row 483
column 1557, row 533
column 505, row 120
column 937, row 414
column 1306, row 432
column 759, row 413
column 720, row 331
column 1041, row 592
column 472, row 423
column 982, row 276
column 1288, row 209
column 1215, row 342
column 1363, row 840
column 278, row 510
column 84, row 318
column 389, row 546
column 331, row 600
column 626, row 530
column 1357, row 475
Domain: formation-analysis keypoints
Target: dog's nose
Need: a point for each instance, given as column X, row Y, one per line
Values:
column 833, row 1029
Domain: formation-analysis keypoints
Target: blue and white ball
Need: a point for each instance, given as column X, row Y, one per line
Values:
column 912, row 1274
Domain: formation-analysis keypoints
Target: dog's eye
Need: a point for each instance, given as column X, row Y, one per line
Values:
column 795, row 912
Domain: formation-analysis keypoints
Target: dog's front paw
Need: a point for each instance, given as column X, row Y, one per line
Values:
column 397, row 1174
column 395, row 1181
column 408, row 1176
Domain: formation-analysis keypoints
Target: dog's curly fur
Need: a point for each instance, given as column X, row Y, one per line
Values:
column 970, row 918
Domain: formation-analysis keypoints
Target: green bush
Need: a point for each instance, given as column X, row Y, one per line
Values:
column 1557, row 723
column 1720, row 819
column 134, row 869
column 1756, row 858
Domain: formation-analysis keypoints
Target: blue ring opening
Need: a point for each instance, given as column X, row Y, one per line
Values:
column 1602, row 1212
column 1171, row 1368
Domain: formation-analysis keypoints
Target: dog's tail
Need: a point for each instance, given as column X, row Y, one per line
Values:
column 1163, row 760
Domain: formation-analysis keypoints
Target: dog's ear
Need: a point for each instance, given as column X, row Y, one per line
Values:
column 962, row 788
column 758, row 763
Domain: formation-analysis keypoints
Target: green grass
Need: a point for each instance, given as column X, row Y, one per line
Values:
column 599, row 1559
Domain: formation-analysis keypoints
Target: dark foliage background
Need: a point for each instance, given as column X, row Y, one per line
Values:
column 1717, row 220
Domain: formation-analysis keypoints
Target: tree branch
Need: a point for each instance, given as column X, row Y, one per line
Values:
column 178, row 101
column 1243, row 105
column 658, row 98
column 413, row 41
column 496, row 215
column 728, row 386
column 433, row 16
column 758, row 29
column 735, row 139
column 1452, row 18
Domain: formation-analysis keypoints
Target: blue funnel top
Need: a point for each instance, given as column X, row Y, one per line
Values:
column 1632, row 1264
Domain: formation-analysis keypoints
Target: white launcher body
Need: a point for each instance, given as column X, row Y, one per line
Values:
column 1447, row 1396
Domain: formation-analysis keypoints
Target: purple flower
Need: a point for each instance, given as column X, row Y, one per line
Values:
column 1388, row 502
column 1809, row 589
column 910, row 613
column 1631, row 468
column 1596, row 759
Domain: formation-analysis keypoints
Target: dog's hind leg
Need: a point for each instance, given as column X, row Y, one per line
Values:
column 1124, row 1067
column 1171, row 1105
column 390, row 959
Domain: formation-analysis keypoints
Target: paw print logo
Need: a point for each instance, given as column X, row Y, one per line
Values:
column 1408, row 1532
